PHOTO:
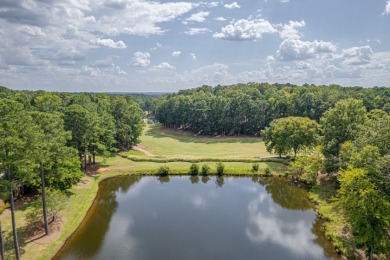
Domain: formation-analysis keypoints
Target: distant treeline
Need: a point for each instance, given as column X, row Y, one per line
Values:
column 246, row 109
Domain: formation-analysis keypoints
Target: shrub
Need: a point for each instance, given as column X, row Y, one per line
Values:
column 194, row 169
column 255, row 167
column 3, row 207
column 205, row 169
column 220, row 168
column 267, row 172
column 163, row 170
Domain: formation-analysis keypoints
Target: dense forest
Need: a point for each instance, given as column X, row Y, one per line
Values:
column 246, row 109
column 47, row 139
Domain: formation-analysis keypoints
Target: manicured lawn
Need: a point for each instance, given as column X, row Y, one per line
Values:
column 162, row 142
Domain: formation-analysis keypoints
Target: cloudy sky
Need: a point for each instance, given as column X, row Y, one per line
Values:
column 142, row 45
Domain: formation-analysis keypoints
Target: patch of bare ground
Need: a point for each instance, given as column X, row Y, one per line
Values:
column 142, row 148
column 84, row 183
column 18, row 203
column 36, row 233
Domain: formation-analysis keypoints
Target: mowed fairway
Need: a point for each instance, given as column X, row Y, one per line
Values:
column 166, row 143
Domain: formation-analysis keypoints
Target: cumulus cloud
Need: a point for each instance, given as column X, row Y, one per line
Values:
column 198, row 17
column 295, row 49
column 195, row 31
column 32, row 30
column 387, row 8
column 220, row 18
column 193, row 56
column 290, row 30
column 109, row 43
column 233, row 5
column 245, row 30
column 176, row 53
column 141, row 59
column 357, row 55
column 163, row 67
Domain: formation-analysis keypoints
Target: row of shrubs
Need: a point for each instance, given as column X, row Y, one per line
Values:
column 206, row 170
column 203, row 159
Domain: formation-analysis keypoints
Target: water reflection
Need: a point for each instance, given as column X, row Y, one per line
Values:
column 268, row 222
column 194, row 179
column 173, row 218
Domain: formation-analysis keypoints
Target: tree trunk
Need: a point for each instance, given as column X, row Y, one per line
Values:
column 85, row 161
column 44, row 200
column 1, row 243
column 15, row 234
column 371, row 248
column 93, row 155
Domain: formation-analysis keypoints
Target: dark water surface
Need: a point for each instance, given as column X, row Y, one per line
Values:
column 199, row 218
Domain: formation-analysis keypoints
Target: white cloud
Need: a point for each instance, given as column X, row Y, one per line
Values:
column 198, row 17
column 163, row 66
column 193, row 56
column 195, row 31
column 358, row 55
column 233, row 5
column 245, row 30
column 176, row 53
column 220, row 18
column 32, row 30
column 141, row 59
column 290, row 30
column 213, row 4
column 295, row 49
column 387, row 8
column 109, row 43
column 284, row 1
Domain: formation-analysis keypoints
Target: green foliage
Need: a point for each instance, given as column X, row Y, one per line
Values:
column 205, row 170
column 220, row 168
column 306, row 167
column 366, row 208
column 163, row 170
column 267, row 172
column 290, row 134
column 194, row 169
column 255, row 167
column 4, row 207
column 340, row 124
column 56, row 201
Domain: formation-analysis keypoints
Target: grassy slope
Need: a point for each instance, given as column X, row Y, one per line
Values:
column 164, row 143
column 161, row 144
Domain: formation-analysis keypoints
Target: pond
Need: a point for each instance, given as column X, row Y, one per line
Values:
column 199, row 218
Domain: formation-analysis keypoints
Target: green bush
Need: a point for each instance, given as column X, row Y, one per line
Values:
column 3, row 207
column 194, row 169
column 205, row 169
column 255, row 167
column 163, row 170
column 220, row 168
column 267, row 172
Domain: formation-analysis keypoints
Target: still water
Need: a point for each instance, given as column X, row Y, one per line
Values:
column 199, row 218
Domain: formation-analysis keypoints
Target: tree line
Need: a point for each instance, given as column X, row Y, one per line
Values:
column 246, row 109
column 47, row 139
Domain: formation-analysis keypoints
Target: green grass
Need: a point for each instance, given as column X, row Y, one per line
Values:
column 162, row 142
column 124, row 166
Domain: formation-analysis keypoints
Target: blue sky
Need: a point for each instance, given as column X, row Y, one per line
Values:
column 142, row 45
